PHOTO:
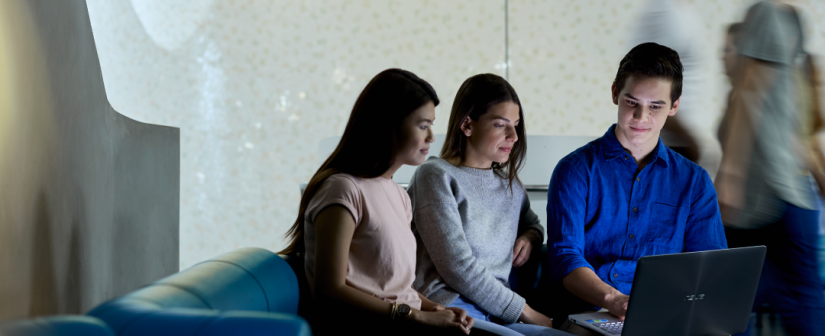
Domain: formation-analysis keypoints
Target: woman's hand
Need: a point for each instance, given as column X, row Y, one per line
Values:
column 449, row 317
column 432, row 307
column 528, row 315
column 524, row 246
column 429, row 305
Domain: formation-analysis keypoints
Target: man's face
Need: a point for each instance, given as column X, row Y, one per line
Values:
column 644, row 105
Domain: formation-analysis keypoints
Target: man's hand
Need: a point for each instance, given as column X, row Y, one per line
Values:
column 616, row 303
column 585, row 284
column 524, row 246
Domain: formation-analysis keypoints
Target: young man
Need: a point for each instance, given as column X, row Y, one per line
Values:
column 626, row 195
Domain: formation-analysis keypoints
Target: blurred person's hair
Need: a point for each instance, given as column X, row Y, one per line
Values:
column 653, row 61
column 473, row 99
column 797, row 25
column 734, row 28
column 372, row 138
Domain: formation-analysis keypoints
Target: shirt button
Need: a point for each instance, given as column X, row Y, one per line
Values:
column 638, row 179
column 635, row 209
column 632, row 236
column 625, row 157
column 615, row 275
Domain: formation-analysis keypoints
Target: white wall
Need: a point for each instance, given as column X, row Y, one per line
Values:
column 89, row 202
column 255, row 85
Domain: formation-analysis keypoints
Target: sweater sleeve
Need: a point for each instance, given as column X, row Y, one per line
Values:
column 439, row 224
column 529, row 220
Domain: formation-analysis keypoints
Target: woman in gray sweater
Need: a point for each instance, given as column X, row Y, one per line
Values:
column 471, row 216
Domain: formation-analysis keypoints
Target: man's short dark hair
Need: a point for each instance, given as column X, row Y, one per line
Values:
column 652, row 60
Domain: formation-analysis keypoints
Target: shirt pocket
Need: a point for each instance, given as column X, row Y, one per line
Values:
column 667, row 226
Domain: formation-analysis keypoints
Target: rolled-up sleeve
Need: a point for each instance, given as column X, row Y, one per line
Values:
column 566, row 206
column 704, row 230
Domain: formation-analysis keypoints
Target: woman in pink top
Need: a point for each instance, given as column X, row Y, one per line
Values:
column 354, row 221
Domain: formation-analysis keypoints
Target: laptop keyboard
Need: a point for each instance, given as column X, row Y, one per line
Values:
column 611, row 327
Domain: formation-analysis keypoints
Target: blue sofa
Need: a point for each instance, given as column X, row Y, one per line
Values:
column 69, row 325
column 250, row 291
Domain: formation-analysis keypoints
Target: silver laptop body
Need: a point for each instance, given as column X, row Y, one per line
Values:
column 696, row 293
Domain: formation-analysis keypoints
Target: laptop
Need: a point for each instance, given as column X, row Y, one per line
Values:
column 695, row 293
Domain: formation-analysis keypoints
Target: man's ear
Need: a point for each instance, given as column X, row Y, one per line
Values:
column 465, row 127
column 615, row 94
column 674, row 107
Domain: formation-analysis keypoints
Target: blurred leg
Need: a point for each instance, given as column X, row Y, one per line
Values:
column 795, row 291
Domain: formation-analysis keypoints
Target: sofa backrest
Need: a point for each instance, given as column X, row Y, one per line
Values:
column 248, row 279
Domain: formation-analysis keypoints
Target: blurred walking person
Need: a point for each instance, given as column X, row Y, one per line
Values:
column 672, row 23
column 763, row 184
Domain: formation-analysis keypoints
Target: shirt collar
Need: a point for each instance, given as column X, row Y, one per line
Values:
column 613, row 148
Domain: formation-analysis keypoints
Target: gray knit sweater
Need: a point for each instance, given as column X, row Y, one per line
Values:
column 466, row 222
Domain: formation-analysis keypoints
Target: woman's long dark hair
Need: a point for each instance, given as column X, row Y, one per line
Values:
column 474, row 98
column 372, row 138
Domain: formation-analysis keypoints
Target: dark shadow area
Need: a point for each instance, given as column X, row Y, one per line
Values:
column 74, row 278
column 43, row 290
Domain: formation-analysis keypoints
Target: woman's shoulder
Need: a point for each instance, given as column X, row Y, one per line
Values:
column 434, row 167
column 432, row 179
column 341, row 183
column 336, row 189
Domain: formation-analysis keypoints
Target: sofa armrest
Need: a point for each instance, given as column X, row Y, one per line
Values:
column 56, row 326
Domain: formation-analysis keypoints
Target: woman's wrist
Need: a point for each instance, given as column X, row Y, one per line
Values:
column 427, row 305
column 414, row 316
column 526, row 313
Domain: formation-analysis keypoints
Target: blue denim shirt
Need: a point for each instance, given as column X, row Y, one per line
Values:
column 602, row 215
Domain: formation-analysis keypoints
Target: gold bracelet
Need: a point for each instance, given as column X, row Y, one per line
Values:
column 394, row 311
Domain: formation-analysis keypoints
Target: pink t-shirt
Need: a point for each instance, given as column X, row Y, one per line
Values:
column 382, row 253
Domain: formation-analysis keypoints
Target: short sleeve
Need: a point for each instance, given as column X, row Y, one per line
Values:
column 340, row 190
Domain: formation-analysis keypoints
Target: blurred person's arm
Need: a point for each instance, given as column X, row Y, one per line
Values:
column 813, row 157
column 815, row 162
column 746, row 113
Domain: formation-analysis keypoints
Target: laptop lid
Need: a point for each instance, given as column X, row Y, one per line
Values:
column 696, row 293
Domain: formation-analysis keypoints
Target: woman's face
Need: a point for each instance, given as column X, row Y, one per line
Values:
column 491, row 137
column 418, row 134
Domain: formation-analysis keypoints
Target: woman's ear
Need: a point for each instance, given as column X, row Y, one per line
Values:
column 465, row 127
